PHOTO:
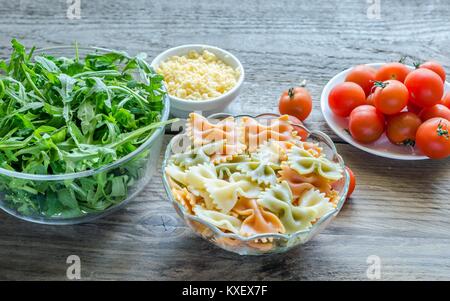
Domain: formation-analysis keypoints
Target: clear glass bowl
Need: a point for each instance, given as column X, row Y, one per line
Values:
column 263, row 243
column 138, row 166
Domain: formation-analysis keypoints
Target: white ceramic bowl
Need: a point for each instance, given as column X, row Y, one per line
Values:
column 182, row 107
column 382, row 147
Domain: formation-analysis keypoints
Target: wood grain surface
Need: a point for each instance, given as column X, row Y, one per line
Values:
column 399, row 212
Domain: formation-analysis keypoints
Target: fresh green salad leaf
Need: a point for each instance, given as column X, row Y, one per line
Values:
column 63, row 115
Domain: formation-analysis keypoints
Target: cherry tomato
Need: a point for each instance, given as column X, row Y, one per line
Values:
column 300, row 131
column 366, row 124
column 402, row 128
column 433, row 139
column 425, row 87
column 390, row 97
column 296, row 102
column 352, row 183
column 438, row 110
column 446, row 100
column 344, row 97
column 414, row 108
column 364, row 76
column 435, row 67
column 370, row 101
column 397, row 71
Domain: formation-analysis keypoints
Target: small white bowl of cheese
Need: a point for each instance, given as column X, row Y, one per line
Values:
column 199, row 78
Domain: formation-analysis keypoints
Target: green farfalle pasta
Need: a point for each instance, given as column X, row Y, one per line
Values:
column 305, row 163
column 279, row 200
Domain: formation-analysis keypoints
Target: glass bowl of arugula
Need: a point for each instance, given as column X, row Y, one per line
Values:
column 81, row 131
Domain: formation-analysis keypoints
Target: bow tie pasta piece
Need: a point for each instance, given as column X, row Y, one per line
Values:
column 227, row 152
column 195, row 156
column 265, row 162
column 201, row 131
column 185, row 198
column 225, row 194
column 304, row 163
column 254, row 133
column 218, row 219
column 177, row 174
column 329, row 170
column 270, row 152
column 215, row 152
column 225, row 170
column 260, row 172
column 247, row 187
column 257, row 220
column 300, row 183
column 196, row 176
column 314, row 200
column 279, row 200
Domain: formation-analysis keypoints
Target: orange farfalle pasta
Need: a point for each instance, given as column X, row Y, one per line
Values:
column 313, row 148
column 300, row 183
column 254, row 133
column 224, row 134
column 201, row 131
column 258, row 220
column 185, row 198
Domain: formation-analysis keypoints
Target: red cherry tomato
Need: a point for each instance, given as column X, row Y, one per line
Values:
column 435, row 67
column 425, row 87
column 296, row 102
column 433, row 139
column 390, row 97
column 364, row 76
column 366, row 124
column 300, row 131
column 438, row 110
column 402, row 127
column 397, row 71
column 352, row 183
column 446, row 100
column 344, row 97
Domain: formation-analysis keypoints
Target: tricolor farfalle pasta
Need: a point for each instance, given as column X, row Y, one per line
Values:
column 248, row 178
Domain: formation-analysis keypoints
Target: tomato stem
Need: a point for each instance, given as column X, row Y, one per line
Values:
column 291, row 93
column 409, row 142
column 402, row 60
column 441, row 132
column 417, row 64
column 380, row 84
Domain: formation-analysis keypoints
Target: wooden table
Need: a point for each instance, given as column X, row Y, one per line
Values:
column 399, row 211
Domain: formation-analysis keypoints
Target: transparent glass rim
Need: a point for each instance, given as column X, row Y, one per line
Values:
column 286, row 237
column 90, row 172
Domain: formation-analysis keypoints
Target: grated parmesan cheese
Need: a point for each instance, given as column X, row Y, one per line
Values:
column 198, row 76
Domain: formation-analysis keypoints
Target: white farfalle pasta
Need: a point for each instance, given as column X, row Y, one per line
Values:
column 260, row 180
column 225, row 194
column 218, row 219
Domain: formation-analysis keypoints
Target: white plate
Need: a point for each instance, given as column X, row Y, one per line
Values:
column 382, row 147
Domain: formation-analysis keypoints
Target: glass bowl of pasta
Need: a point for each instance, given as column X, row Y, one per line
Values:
column 250, row 184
